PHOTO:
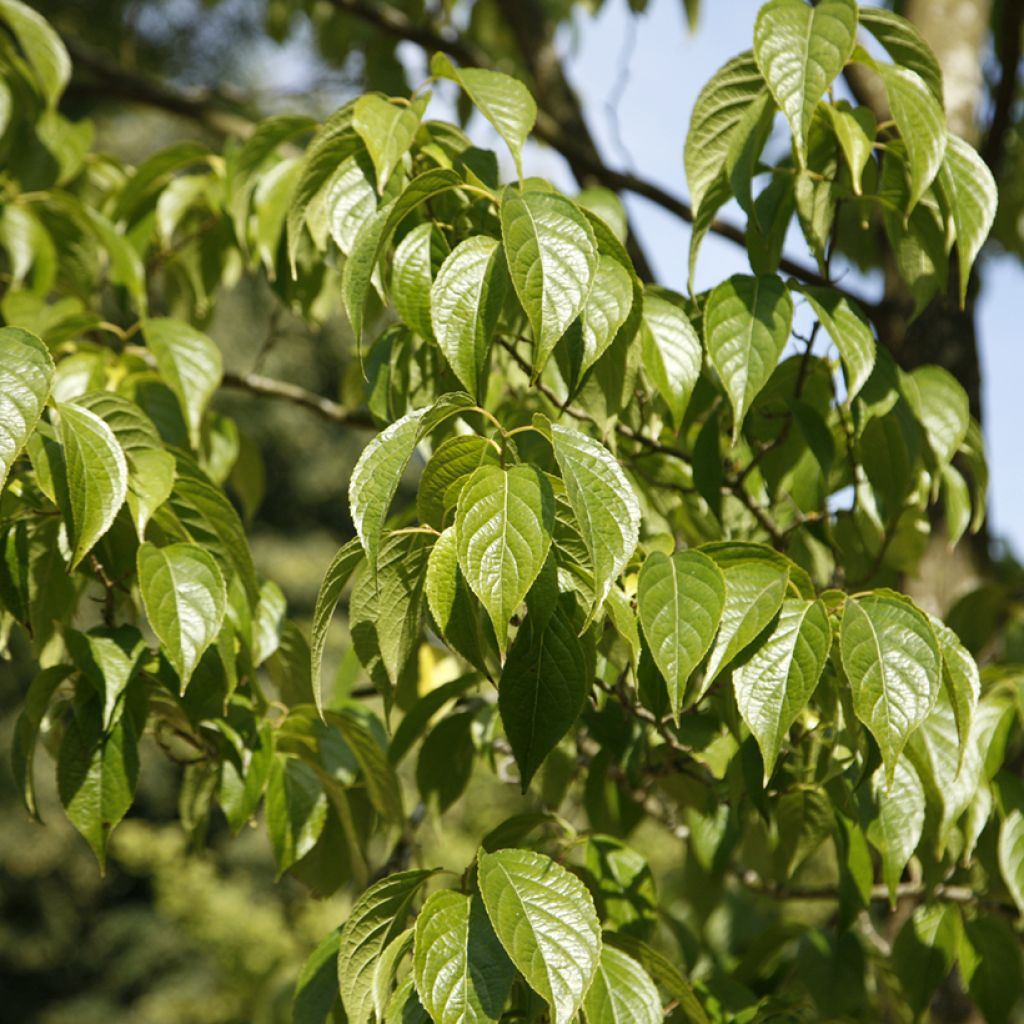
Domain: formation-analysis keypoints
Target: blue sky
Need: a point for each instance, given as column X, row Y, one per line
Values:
column 667, row 67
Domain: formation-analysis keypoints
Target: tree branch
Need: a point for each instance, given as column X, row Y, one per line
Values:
column 1008, row 50
column 256, row 384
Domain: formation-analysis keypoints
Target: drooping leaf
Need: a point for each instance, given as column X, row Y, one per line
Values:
column 805, row 819
column 941, row 406
column 545, row 919
column 552, row 260
column 891, row 657
column 502, row 99
column 412, row 275
column 454, row 461
column 622, row 992
column 747, row 322
column 606, row 310
column 26, row 730
column 905, row 44
column 108, row 657
column 190, row 363
column 896, row 829
column 503, row 526
column 316, row 990
column 296, row 810
column 542, row 689
column 466, row 300
column 47, row 56
column 720, row 107
column 800, row 50
column 849, row 330
column 672, row 352
column 926, row 950
column 185, row 600
column 990, row 964
column 463, row 975
column 96, row 477
column 602, row 499
column 1011, row 855
column 26, row 374
column 855, row 130
column 338, row 574
column 680, row 601
column 387, row 130
column 376, row 919
column 776, row 683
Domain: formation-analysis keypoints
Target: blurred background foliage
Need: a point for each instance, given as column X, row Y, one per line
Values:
column 212, row 938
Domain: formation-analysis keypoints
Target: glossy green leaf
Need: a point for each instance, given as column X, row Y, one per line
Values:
column 922, row 124
column 446, row 472
column 96, row 775
column 545, row 919
column 185, row 599
column 108, row 657
column 502, row 99
column 777, row 682
column 337, row 576
column 552, row 260
column 376, row 477
column 503, row 526
column 296, row 810
column 96, row 477
column 44, row 49
column 891, row 657
column 896, row 829
column 190, row 364
column 606, row 310
column 602, row 499
column 960, row 680
column 622, row 992
column 850, row 331
column 1011, row 855
column 680, row 601
column 720, row 107
column 412, row 276
column 855, row 129
column 672, row 353
column 386, row 969
column 542, row 689
column 26, row 374
column 970, row 191
column 377, row 917
column 387, row 130
column 348, row 200
column 941, row 406
column 747, row 322
column 754, row 592
column 463, row 975
column 466, row 301
column 800, row 50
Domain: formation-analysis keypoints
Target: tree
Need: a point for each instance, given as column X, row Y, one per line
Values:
column 664, row 553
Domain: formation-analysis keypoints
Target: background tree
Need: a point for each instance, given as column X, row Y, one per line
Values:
column 702, row 716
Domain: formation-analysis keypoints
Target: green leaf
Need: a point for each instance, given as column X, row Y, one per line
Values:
column 338, row 574
column 26, row 375
column 603, row 502
column 606, row 310
column 446, row 472
column 96, row 775
column 316, row 990
column 97, row 477
column 503, row 100
column 850, row 331
column 896, row 829
column 672, row 353
column 387, row 129
column 543, row 688
column 412, row 276
column 26, row 730
column 720, row 107
column 855, row 130
column 418, row 717
column 376, row 477
column 376, row 919
column 466, row 300
column 800, row 50
column 922, row 124
column 387, row 967
column 503, row 526
column 552, row 260
column 622, row 992
column 680, row 601
column 190, row 364
column 991, row 968
column 606, row 205
column 970, row 191
column 361, row 731
column 775, row 685
column 108, row 658
column 747, row 322
column 404, row 1007
column 463, row 976
column 926, row 950
column 43, row 48
column 754, row 592
column 941, row 406
column 805, row 819
column 185, row 599
column 904, row 44
column 545, row 919
column 960, row 679
column 891, row 657
column 296, row 810
column 1011, row 855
